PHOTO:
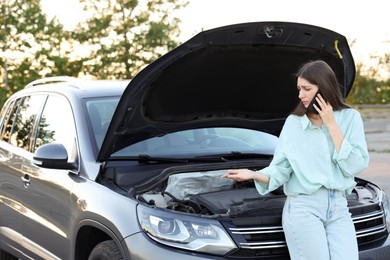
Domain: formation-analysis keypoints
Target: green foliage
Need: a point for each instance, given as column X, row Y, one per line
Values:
column 118, row 39
column 31, row 46
column 368, row 90
column 123, row 36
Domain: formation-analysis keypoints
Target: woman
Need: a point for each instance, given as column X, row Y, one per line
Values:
column 316, row 159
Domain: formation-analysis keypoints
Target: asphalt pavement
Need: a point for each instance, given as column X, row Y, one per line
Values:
column 378, row 142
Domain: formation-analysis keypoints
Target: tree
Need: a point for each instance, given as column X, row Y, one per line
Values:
column 384, row 61
column 122, row 36
column 368, row 90
column 31, row 46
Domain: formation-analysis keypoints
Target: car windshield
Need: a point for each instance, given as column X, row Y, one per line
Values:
column 182, row 144
column 202, row 142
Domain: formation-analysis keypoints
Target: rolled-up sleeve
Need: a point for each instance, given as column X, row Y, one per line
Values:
column 353, row 156
column 278, row 171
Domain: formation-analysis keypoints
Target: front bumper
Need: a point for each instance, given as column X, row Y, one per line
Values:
column 142, row 248
column 378, row 251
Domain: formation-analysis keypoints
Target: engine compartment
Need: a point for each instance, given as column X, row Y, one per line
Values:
column 207, row 193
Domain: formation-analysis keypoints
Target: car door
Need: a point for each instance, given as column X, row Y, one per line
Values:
column 17, row 127
column 42, row 195
column 51, row 189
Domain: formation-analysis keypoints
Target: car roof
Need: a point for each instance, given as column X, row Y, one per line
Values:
column 69, row 86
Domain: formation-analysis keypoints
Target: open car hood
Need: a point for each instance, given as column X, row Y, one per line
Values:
column 237, row 75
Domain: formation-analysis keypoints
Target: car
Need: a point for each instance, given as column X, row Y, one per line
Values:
column 112, row 169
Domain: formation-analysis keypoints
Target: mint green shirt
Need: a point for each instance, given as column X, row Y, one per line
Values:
column 305, row 158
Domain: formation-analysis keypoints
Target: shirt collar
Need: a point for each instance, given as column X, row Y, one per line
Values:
column 305, row 122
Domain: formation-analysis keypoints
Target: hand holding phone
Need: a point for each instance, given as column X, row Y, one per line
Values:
column 311, row 107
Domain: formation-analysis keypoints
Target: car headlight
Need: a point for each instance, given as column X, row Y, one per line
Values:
column 185, row 232
column 386, row 209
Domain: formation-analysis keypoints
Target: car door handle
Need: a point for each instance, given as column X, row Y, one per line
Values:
column 26, row 181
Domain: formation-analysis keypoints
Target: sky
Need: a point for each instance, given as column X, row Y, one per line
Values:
column 364, row 22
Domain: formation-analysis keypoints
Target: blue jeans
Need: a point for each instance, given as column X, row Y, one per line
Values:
column 319, row 226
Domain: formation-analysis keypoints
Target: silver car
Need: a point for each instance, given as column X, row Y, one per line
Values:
column 132, row 169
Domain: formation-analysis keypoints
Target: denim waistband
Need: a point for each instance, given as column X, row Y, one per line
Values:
column 327, row 191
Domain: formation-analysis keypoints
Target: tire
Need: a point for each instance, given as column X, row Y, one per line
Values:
column 106, row 250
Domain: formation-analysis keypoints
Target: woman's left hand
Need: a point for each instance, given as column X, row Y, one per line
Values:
column 327, row 116
column 325, row 111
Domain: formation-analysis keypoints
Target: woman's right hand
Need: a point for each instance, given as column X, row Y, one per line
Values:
column 240, row 175
column 245, row 174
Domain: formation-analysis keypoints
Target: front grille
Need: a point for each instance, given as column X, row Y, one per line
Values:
column 370, row 226
column 261, row 239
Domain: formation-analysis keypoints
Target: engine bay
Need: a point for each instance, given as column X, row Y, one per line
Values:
column 207, row 193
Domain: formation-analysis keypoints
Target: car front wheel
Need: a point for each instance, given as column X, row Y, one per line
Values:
column 106, row 250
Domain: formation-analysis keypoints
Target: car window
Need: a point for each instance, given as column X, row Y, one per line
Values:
column 57, row 124
column 100, row 112
column 4, row 114
column 204, row 141
column 22, row 127
column 8, row 120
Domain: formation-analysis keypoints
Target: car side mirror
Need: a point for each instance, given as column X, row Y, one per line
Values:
column 53, row 156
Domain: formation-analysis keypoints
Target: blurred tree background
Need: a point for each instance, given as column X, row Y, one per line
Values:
column 118, row 39
column 30, row 45
column 369, row 87
column 125, row 35
column 115, row 42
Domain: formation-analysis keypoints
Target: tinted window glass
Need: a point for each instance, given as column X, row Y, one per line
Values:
column 100, row 112
column 8, row 120
column 204, row 141
column 24, row 121
column 4, row 113
column 56, row 124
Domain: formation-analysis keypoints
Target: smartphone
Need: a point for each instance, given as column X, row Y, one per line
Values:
column 314, row 101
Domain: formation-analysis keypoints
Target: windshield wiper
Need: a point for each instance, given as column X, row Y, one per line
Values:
column 222, row 157
column 144, row 159
column 235, row 155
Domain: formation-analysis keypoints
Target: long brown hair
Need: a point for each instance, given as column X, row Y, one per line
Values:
column 321, row 74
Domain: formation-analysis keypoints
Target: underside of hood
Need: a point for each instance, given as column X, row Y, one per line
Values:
column 237, row 75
